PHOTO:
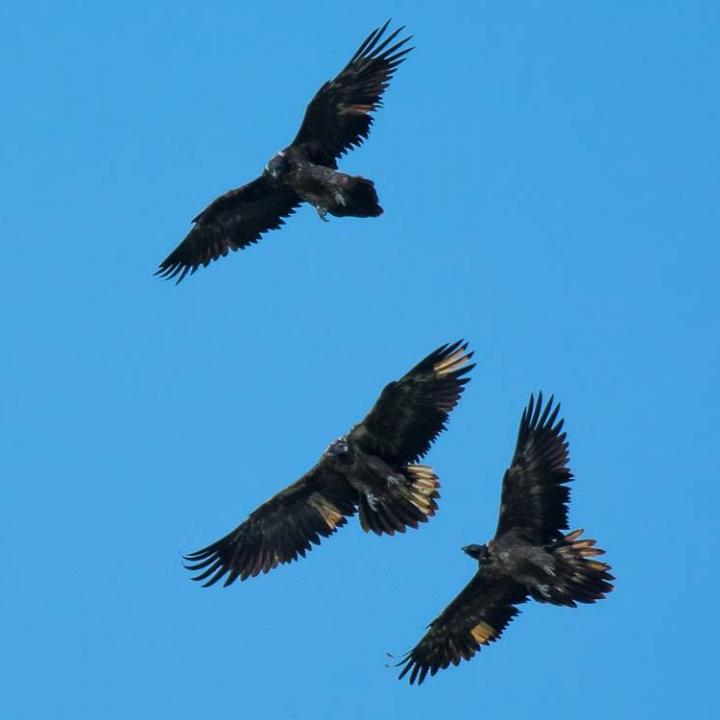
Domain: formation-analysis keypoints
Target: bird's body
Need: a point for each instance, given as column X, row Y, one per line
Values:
column 372, row 470
column 529, row 556
column 389, row 497
column 512, row 556
column 327, row 189
column 338, row 118
column 543, row 571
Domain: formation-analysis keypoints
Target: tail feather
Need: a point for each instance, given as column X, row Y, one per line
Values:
column 408, row 500
column 359, row 199
column 577, row 577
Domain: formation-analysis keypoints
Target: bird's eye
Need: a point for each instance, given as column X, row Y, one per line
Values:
column 340, row 449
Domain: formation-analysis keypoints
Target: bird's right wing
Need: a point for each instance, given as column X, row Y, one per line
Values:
column 476, row 617
column 280, row 530
column 231, row 222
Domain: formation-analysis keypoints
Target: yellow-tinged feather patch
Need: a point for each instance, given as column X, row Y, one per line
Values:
column 451, row 363
column 329, row 513
column 423, row 471
column 599, row 566
column 424, row 508
column 483, row 633
column 356, row 109
column 423, row 482
column 423, row 489
column 587, row 543
column 422, row 475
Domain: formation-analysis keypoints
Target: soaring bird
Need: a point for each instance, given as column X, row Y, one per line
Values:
column 372, row 470
column 529, row 557
column 337, row 119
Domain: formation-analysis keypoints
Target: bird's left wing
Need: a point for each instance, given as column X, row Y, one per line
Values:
column 339, row 117
column 476, row 617
column 412, row 411
column 280, row 530
column 231, row 222
column 534, row 491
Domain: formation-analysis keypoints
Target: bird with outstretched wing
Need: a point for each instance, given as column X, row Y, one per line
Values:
column 529, row 557
column 372, row 470
column 337, row 119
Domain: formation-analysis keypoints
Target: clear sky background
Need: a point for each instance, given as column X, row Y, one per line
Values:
column 549, row 173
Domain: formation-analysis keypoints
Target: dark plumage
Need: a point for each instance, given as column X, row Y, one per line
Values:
column 337, row 119
column 528, row 557
column 371, row 470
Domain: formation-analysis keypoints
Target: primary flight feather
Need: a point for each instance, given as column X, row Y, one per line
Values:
column 372, row 470
column 337, row 119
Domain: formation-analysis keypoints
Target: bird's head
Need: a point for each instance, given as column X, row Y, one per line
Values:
column 278, row 164
column 477, row 552
column 340, row 450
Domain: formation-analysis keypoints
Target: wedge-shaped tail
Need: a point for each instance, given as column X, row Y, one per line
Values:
column 359, row 199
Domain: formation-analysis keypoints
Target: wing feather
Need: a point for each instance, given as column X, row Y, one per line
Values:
column 476, row 617
column 534, row 492
column 279, row 531
column 231, row 222
column 413, row 411
column 338, row 117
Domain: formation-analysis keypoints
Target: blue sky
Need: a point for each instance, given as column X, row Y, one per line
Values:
column 549, row 173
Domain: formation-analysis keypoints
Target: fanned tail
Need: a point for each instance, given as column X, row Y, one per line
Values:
column 407, row 501
column 578, row 578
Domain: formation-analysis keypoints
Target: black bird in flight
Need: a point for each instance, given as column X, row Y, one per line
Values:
column 528, row 557
column 372, row 470
column 337, row 119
